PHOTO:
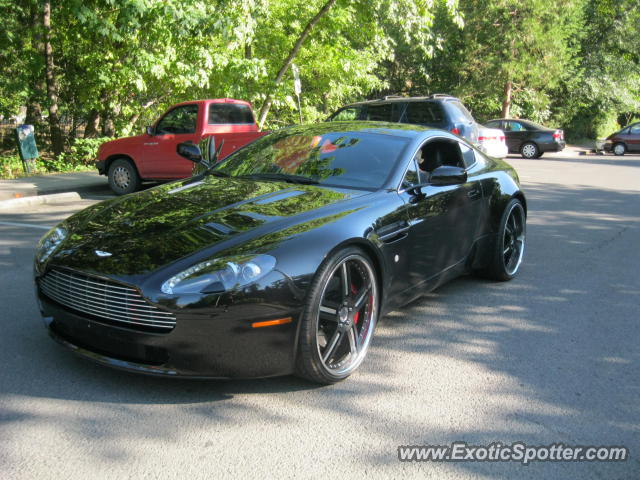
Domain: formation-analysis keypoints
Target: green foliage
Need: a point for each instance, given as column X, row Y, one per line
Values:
column 574, row 63
column 83, row 152
column 11, row 167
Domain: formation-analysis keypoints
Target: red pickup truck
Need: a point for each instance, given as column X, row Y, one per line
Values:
column 152, row 156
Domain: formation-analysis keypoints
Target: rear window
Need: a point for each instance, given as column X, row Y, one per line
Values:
column 424, row 113
column 459, row 111
column 347, row 114
column 223, row 113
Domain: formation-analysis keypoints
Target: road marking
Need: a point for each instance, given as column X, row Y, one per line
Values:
column 28, row 225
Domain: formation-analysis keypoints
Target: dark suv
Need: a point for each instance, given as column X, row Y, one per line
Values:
column 439, row 111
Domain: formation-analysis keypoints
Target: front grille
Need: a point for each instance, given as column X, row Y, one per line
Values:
column 104, row 300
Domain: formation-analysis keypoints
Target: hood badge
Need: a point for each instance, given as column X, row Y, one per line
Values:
column 101, row 253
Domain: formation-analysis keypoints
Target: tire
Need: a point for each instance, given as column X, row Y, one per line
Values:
column 123, row 177
column 339, row 317
column 529, row 150
column 619, row 149
column 508, row 249
column 540, row 154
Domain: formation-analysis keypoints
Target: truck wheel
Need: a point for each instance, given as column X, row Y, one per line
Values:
column 123, row 177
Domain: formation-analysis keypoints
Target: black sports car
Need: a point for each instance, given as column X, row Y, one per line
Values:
column 281, row 258
column 528, row 138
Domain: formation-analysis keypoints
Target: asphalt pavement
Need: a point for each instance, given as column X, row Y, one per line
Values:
column 551, row 357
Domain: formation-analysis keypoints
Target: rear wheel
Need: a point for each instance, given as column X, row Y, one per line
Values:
column 529, row 150
column 123, row 177
column 508, row 249
column 339, row 318
column 619, row 149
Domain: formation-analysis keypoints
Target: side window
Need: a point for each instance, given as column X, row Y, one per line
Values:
column 468, row 155
column 379, row 113
column 383, row 112
column 411, row 178
column 346, row 114
column 424, row 113
column 495, row 124
column 179, row 120
column 437, row 153
column 229, row 113
column 635, row 129
column 517, row 127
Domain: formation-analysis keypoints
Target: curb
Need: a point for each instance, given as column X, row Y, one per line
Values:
column 38, row 200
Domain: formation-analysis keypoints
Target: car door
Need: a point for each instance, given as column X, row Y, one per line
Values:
column 159, row 156
column 515, row 133
column 633, row 139
column 443, row 220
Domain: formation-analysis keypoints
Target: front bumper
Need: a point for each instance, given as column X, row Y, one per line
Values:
column 219, row 343
column 101, row 166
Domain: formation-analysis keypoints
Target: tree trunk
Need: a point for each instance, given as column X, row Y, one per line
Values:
column 36, row 93
column 93, row 123
column 34, row 111
column 506, row 103
column 57, row 142
column 108, row 125
column 289, row 60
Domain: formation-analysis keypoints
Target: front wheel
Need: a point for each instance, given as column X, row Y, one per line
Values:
column 619, row 149
column 508, row 249
column 123, row 177
column 529, row 150
column 339, row 317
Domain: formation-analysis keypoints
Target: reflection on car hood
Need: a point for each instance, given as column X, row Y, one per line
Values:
column 163, row 224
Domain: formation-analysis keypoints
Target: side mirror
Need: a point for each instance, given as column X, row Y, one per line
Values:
column 149, row 131
column 190, row 151
column 447, row 175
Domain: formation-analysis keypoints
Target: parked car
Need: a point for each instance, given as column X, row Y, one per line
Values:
column 492, row 142
column 281, row 258
column 152, row 156
column 438, row 111
column 623, row 141
column 528, row 138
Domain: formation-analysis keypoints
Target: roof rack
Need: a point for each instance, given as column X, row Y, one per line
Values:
column 387, row 97
column 440, row 95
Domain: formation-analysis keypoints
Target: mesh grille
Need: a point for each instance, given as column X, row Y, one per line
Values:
column 104, row 300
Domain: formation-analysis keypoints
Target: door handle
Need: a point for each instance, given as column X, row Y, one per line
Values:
column 150, row 143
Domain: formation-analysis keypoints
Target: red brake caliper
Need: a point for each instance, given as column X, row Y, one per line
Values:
column 356, row 317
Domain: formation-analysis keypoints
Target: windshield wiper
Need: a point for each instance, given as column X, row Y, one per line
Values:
column 282, row 177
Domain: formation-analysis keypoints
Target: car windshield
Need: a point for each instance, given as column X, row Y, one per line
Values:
column 354, row 159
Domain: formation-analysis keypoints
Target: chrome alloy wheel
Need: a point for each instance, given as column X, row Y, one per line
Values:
column 121, row 177
column 529, row 150
column 513, row 239
column 346, row 315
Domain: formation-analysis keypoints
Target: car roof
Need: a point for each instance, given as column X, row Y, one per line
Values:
column 404, row 130
column 398, row 99
column 213, row 100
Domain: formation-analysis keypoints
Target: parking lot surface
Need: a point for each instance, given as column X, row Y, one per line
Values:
column 551, row 357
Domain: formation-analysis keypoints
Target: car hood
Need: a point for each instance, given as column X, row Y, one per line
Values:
column 138, row 233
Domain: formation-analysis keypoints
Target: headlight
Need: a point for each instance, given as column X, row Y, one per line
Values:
column 220, row 275
column 49, row 243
